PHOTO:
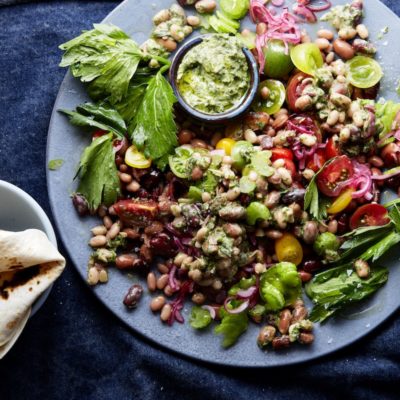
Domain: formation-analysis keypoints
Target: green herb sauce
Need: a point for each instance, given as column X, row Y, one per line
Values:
column 214, row 76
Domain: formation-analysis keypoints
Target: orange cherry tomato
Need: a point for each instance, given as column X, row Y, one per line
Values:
column 342, row 202
column 289, row 249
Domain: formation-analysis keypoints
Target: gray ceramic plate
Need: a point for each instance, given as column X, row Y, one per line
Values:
column 67, row 142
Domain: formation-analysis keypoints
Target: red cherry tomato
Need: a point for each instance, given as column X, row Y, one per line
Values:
column 332, row 149
column 281, row 153
column 331, row 181
column 317, row 164
column 97, row 134
column 369, row 215
column 289, row 165
column 293, row 91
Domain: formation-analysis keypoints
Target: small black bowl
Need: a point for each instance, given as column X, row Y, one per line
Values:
column 226, row 116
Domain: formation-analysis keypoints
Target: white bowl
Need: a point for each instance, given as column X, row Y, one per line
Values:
column 19, row 211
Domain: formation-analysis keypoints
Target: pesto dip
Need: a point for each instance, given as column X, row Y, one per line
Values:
column 214, row 76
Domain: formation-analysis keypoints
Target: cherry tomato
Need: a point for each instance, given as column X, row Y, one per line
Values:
column 369, row 215
column 331, row 181
column 97, row 134
column 316, row 166
column 235, row 9
column 342, row 202
column 289, row 165
column 363, row 72
column 289, row 249
column 293, row 90
column 277, row 62
column 134, row 158
column 332, row 149
column 275, row 100
column 226, row 144
column 281, row 153
column 307, row 57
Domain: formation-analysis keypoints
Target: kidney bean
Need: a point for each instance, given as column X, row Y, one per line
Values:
column 133, row 296
column 343, row 49
column 157, row 303
column 163, row 245
column 294, row 196
column 281, row 342
column 80, row 203
column 312, row 265
column 306, row 338
column 166, row 312
column 125, row 261
column 305, row 276
column 343, row 224
column 285, row 317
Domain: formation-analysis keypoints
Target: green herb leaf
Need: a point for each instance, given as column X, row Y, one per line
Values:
column 97, row 116
column 334, row 289
column 311, row 198
column 385, row 114
column 153, row 129
column 394, row 215
column 99, row 182
column 54, row 165
column 129, row 105
column 312, row 202
column 104, row 56
column 231, row 327
column 377, row 251
column 199, row 318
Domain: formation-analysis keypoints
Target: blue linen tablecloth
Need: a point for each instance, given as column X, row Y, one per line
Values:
column 75, row 348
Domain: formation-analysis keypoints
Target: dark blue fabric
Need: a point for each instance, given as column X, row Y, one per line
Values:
column 75, row 348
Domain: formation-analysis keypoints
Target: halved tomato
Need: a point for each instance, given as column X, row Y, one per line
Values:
column 369, row 215
column 333, row 179
column 289, row 165
column 332, row 148
column 317, row 160
column 281, row 153
column 293, row 90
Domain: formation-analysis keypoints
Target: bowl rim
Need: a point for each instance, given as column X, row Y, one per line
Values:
column 48, row 229
column 220, row 117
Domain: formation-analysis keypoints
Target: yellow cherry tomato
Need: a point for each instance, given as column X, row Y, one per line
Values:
column 134, row 158
column 341, row 203
column 289, row 249
column 226, row 144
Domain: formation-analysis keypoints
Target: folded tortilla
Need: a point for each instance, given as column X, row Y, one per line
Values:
column 29, row 264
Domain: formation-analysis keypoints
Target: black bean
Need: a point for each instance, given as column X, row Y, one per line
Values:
column 294, row 196
column 133, row 296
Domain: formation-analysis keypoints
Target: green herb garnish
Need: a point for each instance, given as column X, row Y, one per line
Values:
column 54, row 165
column 99, row 182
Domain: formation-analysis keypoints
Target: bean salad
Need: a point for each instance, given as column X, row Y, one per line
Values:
column 239, row 221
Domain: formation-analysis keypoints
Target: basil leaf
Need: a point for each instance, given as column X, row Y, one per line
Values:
column 199, row 318
column 334, row 289
column 97, row 116
column 153, row 129
column 99, row 182
column 231, row 327
column 106, row 57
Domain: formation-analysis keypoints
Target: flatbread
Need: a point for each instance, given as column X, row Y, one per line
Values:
column 29, row 264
